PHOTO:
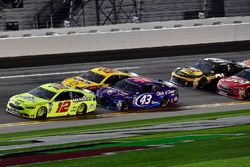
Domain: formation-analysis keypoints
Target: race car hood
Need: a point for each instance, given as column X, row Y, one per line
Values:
column 78, row 82
column 246, row 63
column 235, row 81
column 114, row 93
column 189, row 71
column 26, row 99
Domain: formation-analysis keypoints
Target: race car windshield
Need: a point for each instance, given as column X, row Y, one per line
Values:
column 244, row 74
column 42, row 93
column 127, row 86
column 204, row 66
column 92, row 76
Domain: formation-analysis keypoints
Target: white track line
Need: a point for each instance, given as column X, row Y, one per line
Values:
column 121, row 114
column 57, row 73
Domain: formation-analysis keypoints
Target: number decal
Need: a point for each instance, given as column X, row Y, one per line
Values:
column 219, row 75
column 143, row 100
column 63, row 106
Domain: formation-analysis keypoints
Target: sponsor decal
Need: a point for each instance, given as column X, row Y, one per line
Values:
column 82, row 99
column 167, row 92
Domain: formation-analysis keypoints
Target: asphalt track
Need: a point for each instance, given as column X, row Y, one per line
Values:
column 18, row 80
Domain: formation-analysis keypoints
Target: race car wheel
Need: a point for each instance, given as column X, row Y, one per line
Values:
column 164, row 102
column 247, row 93
column 125, row 105
column 81, row 109
column 202, row 83
column 41, row 113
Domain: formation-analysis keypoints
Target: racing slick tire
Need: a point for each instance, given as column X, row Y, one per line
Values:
column 202, row 83
column 247, row 94
column 164, row 102
column 41, row 113
column 125, row 105
column 81, row 109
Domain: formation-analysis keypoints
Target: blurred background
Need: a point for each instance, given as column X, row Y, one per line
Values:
column 37, row 14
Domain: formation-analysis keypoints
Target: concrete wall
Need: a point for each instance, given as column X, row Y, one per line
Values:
column 125, row 39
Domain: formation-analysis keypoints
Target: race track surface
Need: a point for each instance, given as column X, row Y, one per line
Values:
column 18, row 80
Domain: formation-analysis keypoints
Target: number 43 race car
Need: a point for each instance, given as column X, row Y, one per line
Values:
column 51, row 100
column 137, row 92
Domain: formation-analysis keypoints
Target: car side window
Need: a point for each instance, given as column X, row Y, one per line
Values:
column 77, row 95
column 156, row 88
column 222, row 69
column 63, row 96
column 114, row 79
column 147, row 89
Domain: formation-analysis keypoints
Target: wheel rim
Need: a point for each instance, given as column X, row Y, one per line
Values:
column 247, row 93
column 80, row 109
column 125, row 106
column 164, row 102
column 41, row 112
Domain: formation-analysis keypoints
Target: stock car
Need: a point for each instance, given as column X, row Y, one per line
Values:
column 204, row 72
column 246, row 63
column 51, row 100
column 96, row 78
column 237, row 86
column 137, row 93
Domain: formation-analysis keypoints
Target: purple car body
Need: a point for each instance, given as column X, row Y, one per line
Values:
column 137, row 92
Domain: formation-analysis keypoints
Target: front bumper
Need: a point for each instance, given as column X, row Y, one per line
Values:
column 108, row 103
column 181, row 81
column 229, row 92
column 16, row 110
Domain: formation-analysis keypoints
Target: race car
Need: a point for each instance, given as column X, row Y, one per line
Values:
column 204, row 72
column 96, row 78
column 246, row 63
column 137, row 93
column 51, row 100
column 237, row 86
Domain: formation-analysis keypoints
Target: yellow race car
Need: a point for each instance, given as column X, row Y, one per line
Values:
column 51, row 100
column 96, row 78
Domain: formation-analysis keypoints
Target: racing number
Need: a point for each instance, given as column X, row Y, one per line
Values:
column 63, row 106
column 146, row 99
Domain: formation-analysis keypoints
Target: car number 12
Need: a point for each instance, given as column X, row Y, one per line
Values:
column 63, row 106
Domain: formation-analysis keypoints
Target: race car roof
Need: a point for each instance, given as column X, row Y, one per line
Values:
column 140, row 80
column 107, row 71
column 55, row 87
column 216, row 60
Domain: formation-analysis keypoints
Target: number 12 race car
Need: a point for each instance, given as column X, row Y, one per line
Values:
column 137, row 92
column 237, row 86
column 204, row 72
column 51, row 100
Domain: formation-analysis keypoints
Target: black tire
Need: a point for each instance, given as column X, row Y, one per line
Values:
column 81, row 109
column 125, row 105
column 202, row 83
column 41, row 113
column 164, row 102
column 247, row 94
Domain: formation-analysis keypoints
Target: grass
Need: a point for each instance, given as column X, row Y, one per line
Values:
column 227, row 150
column 119, row 125
column 11, row 137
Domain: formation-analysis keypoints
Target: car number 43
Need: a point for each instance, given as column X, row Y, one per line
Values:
column 145, row 99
